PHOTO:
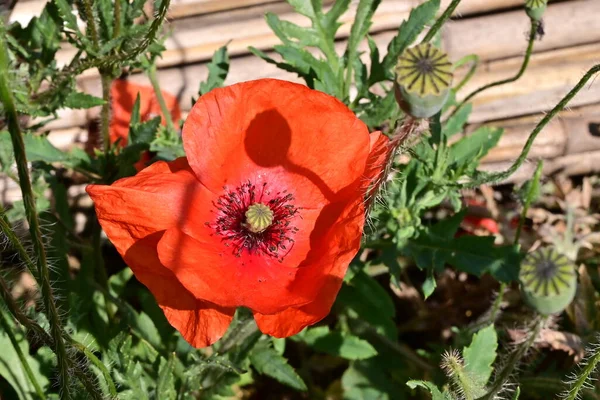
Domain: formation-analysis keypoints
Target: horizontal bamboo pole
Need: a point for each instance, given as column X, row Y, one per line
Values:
column 550, row 76
column 195, row 39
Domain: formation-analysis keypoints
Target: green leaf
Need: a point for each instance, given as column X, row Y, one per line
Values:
column 370, row 380
column 480, row 355
column 364, row 298
column 286, row 30
column 6, row 151
column 67, row 14
column 409, row 31
column 218, row 68
column 330, row 20
column 39, row 148
column 268, row 362
column 456, row 123
column 472, row 254
column 306, row 7
column 79, row 100
column 435, row 392
column 360, row 26
column 165, row 385
column 474, row 146
column 341, row 344
column 11, row 368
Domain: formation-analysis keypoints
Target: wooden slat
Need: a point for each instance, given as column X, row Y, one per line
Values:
column 196, row 39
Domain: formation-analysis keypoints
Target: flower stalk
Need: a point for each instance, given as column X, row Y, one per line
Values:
column 34, row 223
column 152, row 75
column 500, row 176
column 441, row 21
column 516, row 77
column 514, row 360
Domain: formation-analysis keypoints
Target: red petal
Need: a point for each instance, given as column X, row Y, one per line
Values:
column 211, row 272
column 200, row 323
column 342, row 246
column 159, row 197
column 292, row 136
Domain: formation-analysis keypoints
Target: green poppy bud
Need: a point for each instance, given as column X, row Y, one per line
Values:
column 535, row 8
column 423, row 80
column 548, row 280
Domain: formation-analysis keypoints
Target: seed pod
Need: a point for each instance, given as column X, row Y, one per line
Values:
column 548, row 280
column 535, row 8
column 423, row 80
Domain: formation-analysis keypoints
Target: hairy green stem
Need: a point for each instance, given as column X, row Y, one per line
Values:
column 112, row 389
column 39, row 332
column 34, row 224
column 584, row 375
column 513, row 360
column 105, row 114
column 91, row 22
column 16, row 244
column 499, row 176
column 528, row 52
column 8, row 329
column 117, row 16
column 161, row 100
column 474, row 60
column 529, row 199
column 441, row 21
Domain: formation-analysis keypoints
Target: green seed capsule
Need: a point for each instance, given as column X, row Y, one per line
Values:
column 535, row 8
column 423, row 80
column 548, row 280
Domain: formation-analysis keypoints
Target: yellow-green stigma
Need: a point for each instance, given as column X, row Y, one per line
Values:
column 258, row 217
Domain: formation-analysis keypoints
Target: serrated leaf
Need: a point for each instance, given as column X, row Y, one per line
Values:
column 66, row 13
column 475, row 255
column 360, row 26
column 305, row 7
column 365, row 297
column 409, row 31
column 474, row 146
column 218, row 68
column 341, row 344
column 39, row 148
column 286, row 31
column 370, row 380
column 480, row 355
column 79, row 100
column 330, row 21
column 165, row 385
column 435, row 392
column 268, row 362
column 456, row 123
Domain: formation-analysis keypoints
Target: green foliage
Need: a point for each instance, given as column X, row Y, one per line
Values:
column 119, row 343
column 341, row 344
column 268, row 362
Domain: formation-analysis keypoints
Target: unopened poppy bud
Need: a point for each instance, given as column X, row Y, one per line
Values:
column 258, row 217
column 423, row 80
column 535, row 8
column 548, row 281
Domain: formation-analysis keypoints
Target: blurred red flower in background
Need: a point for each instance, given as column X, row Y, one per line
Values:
column 123, row 94
column 266, row 211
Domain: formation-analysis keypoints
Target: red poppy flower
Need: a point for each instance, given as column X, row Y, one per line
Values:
column 265, row 212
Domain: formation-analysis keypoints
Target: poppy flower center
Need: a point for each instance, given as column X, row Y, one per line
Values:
column 256, row 220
